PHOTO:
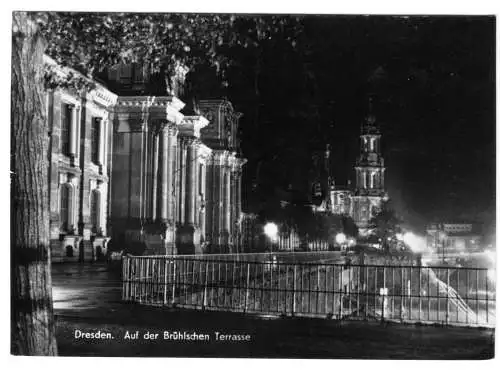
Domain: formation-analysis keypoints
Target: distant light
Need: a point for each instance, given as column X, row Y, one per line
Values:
column 399, row 236
column 271, row 230
column 351, row 242
column 491, row 275
column 491, row 255
column 408, row 237
column 340, row 238
column 416, row 243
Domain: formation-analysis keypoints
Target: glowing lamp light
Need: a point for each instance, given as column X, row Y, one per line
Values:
column 491, row 275
column 416, row 243
column 491, row 255
column 340, row 238
column 351, row 242
column 399, row 236
column 271, row 231
column 408, row 237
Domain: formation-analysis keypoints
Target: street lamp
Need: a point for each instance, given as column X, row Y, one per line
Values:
column 271, row 231
column 340, row 239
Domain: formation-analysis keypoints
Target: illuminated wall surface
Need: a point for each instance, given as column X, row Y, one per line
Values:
column 136, row 172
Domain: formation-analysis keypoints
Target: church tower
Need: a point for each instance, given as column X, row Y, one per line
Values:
column 370, row 189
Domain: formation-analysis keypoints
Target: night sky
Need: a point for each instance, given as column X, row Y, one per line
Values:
column 432, row 81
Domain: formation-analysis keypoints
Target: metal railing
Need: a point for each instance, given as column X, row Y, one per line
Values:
column 445, row 295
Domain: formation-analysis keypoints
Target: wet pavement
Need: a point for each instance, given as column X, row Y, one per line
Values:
column 79, row 287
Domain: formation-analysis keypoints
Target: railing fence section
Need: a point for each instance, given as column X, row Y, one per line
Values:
column 461, row 296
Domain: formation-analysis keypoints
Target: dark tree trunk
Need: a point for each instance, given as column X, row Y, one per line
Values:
column 32, row 328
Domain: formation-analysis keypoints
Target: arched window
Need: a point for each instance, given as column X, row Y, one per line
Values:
column 65, row 207
column 95, row 197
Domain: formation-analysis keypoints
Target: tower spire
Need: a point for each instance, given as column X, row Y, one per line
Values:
column 369, row 126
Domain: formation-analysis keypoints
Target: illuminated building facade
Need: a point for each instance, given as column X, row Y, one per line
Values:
column 136, row 171
column 366, row 199
column 451, row 238
column 79, row 171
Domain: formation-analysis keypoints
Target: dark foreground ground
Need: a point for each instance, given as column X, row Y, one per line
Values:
column 87, row 299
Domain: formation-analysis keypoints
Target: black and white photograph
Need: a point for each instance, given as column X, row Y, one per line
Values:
column 253, row 185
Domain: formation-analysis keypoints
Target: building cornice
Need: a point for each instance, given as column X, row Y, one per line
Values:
column 192, row 125
column 154, row 107
column 150, row 102
column 102, row 96
column 99, row 94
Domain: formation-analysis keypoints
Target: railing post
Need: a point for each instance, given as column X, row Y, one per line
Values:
column 341, row 288
column 294, row 288
column 487, row 296
column 447, row 295
column 125, row 278
column 174, row 277
column 477, row 296
column 402, row 288
column 165, row 280
column 141, row 279
column 205, row 285
column 147, row 282
column 419, row 292
column 247, row 293
column 384, row 294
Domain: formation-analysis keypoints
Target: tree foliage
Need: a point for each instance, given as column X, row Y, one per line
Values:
column 386, row 223
column 92, row 42
column 89, row 43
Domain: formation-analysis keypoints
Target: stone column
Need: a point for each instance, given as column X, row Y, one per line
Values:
column 164, row 179
column 102, row 141
column 203, row 197
column 209, row 200
column 190, row 181
column 227, row 206
column 155, row 168
column 107, row 142
column 183, row 181
column 173, row 172
column 72, row 200
column 72, row 131
column 238, row 194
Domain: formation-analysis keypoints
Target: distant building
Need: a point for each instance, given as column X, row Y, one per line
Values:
column 340, row 200
column 365, row 200
column 450, row 238
column 135, row 170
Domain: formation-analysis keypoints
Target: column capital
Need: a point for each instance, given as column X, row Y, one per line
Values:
column 129, row 123
column 162, row 125
column 189, row 141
